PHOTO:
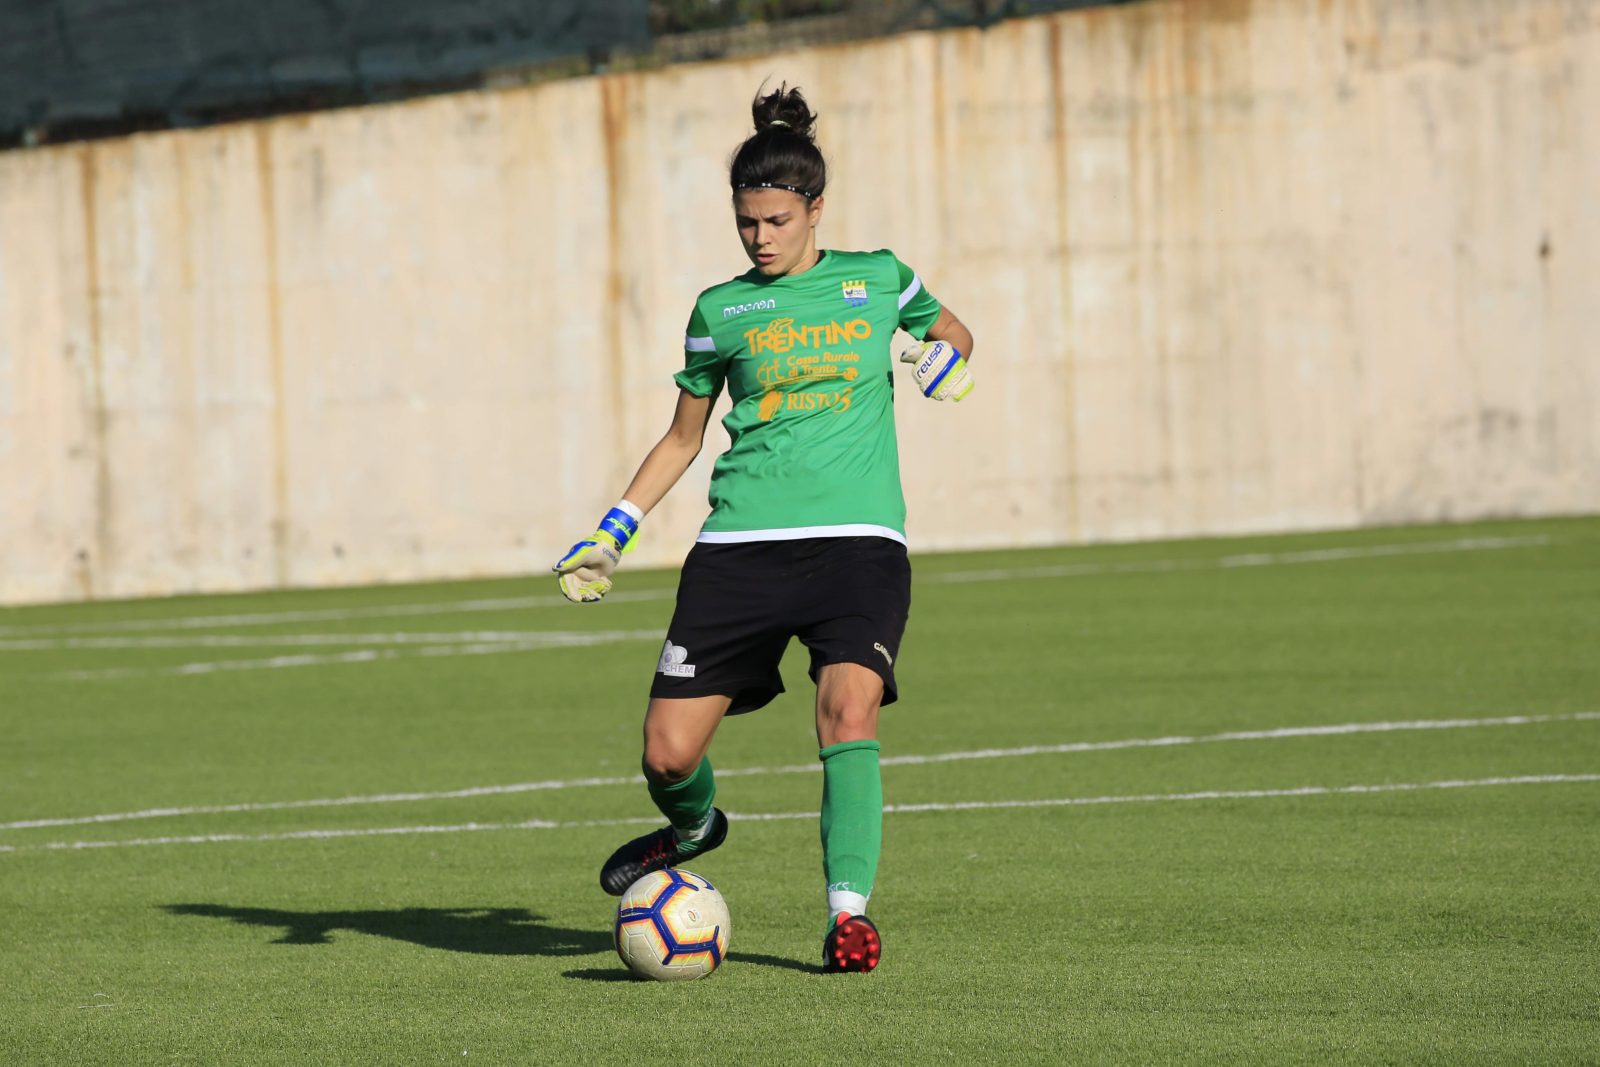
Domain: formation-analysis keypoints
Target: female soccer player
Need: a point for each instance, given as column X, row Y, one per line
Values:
column 806, row 536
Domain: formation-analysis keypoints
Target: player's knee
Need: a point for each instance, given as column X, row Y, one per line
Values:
column 664, row 764
column 849, row 719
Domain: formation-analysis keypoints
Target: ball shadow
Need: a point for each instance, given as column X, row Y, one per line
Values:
column 620, row 973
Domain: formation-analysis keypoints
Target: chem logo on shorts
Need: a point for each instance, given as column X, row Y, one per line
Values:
column 672, row 664
column 884, row 652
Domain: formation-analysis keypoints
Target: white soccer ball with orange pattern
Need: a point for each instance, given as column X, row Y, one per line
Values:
column 672, row 925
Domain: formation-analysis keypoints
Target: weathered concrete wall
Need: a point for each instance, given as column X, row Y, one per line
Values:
column 1233, row 265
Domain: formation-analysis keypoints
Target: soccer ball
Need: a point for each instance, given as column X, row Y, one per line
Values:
column 672, row 925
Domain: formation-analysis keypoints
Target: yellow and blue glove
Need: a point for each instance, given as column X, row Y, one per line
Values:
column 585, row 571
column 940, row 371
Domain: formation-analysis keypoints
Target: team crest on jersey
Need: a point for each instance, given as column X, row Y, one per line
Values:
column 855, row 292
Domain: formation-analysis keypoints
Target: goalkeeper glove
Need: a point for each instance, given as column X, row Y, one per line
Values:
column 585, row 571
column 940, row 371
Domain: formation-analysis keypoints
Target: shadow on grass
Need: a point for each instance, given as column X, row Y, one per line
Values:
column 621, row 974
column 775, row 961
column 490, row 931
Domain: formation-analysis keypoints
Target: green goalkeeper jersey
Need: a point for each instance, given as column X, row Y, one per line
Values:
column 806, row 361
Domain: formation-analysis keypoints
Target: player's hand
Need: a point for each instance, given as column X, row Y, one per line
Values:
column 585, row 571
column 586, row 568
column 940, row 371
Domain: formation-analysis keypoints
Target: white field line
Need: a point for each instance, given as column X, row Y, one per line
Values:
column 1276, row 734
column 58, row 644
column 1252, row 559
column 274, row 618
column 889, row 809
column 534, row 641
column 389, row 611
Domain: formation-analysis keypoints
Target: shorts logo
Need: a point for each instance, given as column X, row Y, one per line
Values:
column 855, row 292
column 884, row 652
column 672, row 664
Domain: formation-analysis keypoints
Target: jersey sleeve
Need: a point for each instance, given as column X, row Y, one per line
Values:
column 918, row 308
column 703, row 369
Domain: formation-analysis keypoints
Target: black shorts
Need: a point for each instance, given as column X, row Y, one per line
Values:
column 846, row 598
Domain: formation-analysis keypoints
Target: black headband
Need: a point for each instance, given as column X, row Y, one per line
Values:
column 778, row 185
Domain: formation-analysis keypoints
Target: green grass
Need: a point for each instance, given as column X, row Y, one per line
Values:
column 1430, row 925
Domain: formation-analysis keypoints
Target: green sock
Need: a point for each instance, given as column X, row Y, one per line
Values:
column 852, row 823
column 687, row 804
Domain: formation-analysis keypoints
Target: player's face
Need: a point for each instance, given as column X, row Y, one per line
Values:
column 778, row 229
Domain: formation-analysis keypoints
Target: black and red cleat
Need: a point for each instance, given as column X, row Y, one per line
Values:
column 853, row 945
column 655, row 851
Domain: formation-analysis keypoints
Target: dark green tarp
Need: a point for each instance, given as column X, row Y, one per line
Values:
column 70, row 67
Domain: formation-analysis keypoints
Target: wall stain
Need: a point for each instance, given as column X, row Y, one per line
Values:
column 1150, row 135
column 614, row 92
column 1223, row 10
column 188, row 204
column 182, row 345
column 1066, row 481
column 941, row 136
column 266, row 181
column 1165, row 69
column 99, row 561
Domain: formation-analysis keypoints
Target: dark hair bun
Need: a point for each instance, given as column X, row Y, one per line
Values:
column 782, row 153
column 784, row 109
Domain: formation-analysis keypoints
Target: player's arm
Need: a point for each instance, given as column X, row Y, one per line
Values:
column 585, row 571
column 672, row 454
column 940, row 358
column 952, row 330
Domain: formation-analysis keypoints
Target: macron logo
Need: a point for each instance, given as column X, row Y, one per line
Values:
column 672, row 664
column 758, row 305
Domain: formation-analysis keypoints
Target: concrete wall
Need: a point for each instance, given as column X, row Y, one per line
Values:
column 1233, row 265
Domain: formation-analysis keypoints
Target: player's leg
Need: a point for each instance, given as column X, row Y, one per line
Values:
column 862, row 600
column 677, row 733
column 721, row 657
column 848, row 697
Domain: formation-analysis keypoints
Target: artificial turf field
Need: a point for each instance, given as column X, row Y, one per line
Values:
column 1369, row 830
